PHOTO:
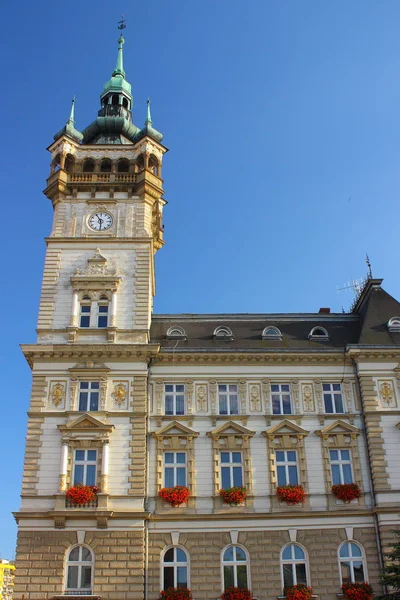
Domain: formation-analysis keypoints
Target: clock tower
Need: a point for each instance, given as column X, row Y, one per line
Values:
column 88, row 409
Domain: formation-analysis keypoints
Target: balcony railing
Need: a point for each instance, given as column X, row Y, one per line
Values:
column 102, row 177
column 92, row 504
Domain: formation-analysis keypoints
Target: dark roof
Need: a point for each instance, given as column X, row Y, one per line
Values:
column 366, row 325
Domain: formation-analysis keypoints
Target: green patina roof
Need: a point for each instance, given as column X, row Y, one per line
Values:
column 118, row 83
column 69, row 128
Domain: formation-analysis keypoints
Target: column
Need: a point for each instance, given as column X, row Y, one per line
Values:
column 104, row 466
column 63, row 468
column 113, row 309
column 75, row 309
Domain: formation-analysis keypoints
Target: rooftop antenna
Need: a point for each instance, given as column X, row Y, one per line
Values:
column 122, row 24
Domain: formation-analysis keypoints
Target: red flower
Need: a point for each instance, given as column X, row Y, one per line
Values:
column 298, row 592
column 175, row 496
column 233, row 495
column 357, row 591
column 176, row 594
column 81, row 494
column 234, row 593
column 346, row 491
column 291, row 494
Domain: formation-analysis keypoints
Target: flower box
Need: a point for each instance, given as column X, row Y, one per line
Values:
column 81, row 495
column 234, row 593
column 291, row 494
column 176, row 594
column 234, row 496
column 357, row 591
column 346, row 492
column 298, row 592
column 175, row 496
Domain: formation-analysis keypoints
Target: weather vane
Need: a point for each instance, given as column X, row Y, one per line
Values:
column 122, row 23
column 369, row 266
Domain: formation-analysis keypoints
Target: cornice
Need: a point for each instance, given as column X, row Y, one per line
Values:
column 98, row 238
column 66, row 352
column 236, row 357
column 376, row 353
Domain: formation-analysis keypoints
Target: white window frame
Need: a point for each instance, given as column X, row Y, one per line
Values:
column 89, row 392
column 394, row 324
column 271, row 333
column 176, row 333
column 231, row 465
column 79, row 564
column 175, row 465
column 174, row 395
column 85, row 301
column 235, row 564
column 332, row 392
column 351, row 560
column 293, row 562
column 340, row 462
column 318, row 336
column 281, row 393
column 286, row 463
column 223, row 333
column 175, row 564
column 103, row 301
column 228, row 393
column 85, row 463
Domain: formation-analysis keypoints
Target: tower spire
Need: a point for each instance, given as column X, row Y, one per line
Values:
column 71, row 119
column 119, row 67
column 148, row 118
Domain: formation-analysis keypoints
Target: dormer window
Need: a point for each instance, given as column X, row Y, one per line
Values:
column 176, row 333
column 223, row 333
column 271, row 333
column 318, row 333
column 394, row 324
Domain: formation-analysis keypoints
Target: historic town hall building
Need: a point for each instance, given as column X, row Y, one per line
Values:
column 134, row 402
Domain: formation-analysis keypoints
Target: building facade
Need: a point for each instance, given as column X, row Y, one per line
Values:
column 134, row 402
column 7, row 572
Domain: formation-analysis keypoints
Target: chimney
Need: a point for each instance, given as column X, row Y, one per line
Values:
column 324, row 311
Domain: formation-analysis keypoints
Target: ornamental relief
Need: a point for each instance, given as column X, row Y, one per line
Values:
column 308, row 397
column 387, row 394
column 255, row 397
column 120, row 394
column 201, row 397
column 57, row 394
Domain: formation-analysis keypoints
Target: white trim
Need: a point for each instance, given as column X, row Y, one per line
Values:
column 67, row 562
column 318, row 336
column 173, row 564
column 276, row 335
column 306, row 559
column 247, row 563
column 352, row 559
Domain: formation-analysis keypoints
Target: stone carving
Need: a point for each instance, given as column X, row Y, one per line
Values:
column 120, row 393
column 103, row 392
column 295, row 394
column 255, row 397
column 242, row 394
column 387, row 394
column 266, row 389
column 201, row 397
column 348, row 395
column 308, row 397
column 57, row 393
column 213, row 394
column 189, row 396
column 73, row 393
column 96, row 265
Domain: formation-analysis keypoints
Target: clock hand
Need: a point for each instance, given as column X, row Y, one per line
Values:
column 101, row 221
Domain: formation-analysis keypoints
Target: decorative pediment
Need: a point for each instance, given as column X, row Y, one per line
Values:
column 96, row 270
column 338, row 427
column 230, row 428
column 89, row 368
column 174, row 429
column 84, row 423
column 286, row 428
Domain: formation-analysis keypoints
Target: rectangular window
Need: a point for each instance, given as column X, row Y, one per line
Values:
column 231, row 470
column 281, row 403
column 84, row 319
column 102, row 315
column 287, row 471
column 89, row 395
column 228, row 399
column 341, row 467
column 333, row 398
column 85, row 467
column 174, row 399
column 174, row 469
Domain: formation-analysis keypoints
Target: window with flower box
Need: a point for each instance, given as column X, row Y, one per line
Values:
column 174, row 469
column 286, row 467
column 293, row 565
column 228, row 399
column 85, row 467
column 231, row 470
column 281, row 400
column 89, row 395
column 175, row 568
column 341, row 466
column 235, row 567
column 352, row 564
column 333, row 398
column 174, row 397
column 79, row 571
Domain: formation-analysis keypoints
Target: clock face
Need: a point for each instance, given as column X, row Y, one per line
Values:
column 100, row 221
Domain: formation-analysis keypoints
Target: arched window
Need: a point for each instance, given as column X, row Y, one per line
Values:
column 394, row 324
column 223, row 333
column 84, row 317
column 123, row 165
column 153, row 164
column 88, row 165
column 175, row 568
column 175, row 332
column 55, row 164
column 294, row 566
column 318, row 333
column 271, row 333
column 115, row 99
column 102, row 312
column 352, row 564
column 105, row 166
column 235, row 567
column 125, row 103
column 139, row 164
column 79, row 575
column 69, row 163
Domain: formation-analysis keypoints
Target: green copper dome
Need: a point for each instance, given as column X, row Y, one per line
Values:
column 69, row 128
column 148, row 128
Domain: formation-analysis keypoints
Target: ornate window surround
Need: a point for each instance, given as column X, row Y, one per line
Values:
column 89, row 371
column 234, row 437
column 340, row 435
column 176, row 437
column 286, row 435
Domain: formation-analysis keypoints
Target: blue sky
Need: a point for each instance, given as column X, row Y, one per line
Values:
column 282, row 120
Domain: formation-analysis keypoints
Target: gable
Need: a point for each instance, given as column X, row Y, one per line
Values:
column 85, row 422
column 286, row 427
column 174, row 428
column 338, row 427
column 231, row 428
